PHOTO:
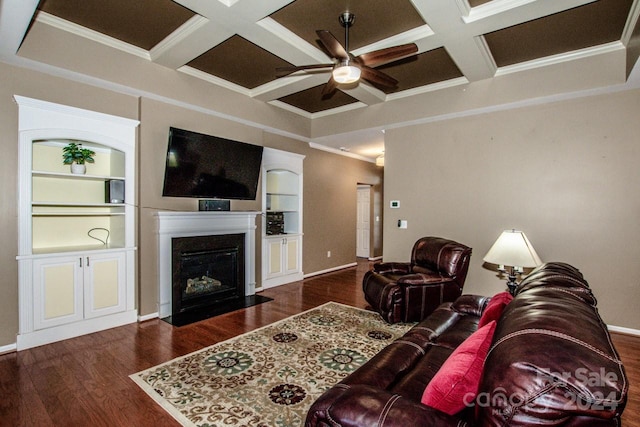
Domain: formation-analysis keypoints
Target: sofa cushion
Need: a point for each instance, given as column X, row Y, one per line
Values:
column 495, row 307
column 456, row 383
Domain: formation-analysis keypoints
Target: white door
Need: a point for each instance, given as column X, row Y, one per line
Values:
column 363, row 226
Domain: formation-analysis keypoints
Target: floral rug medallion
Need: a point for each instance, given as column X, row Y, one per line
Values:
column 269, row 377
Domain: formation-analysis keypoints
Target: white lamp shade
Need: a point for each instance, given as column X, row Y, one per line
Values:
column 513, row 249
column 346, row 74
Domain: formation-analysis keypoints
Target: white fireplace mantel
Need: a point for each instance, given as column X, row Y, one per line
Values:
column 190, row 224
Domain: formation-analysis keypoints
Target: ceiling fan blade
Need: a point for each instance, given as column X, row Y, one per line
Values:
column 329, row 89
column 377, row 77
column 390, row 54
column 285, row 71
column 332, row 44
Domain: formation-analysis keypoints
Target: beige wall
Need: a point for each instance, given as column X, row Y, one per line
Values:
column 155, row 120
column 328, row 177
column 565, row 173
column 330, row 183
column 330, row 206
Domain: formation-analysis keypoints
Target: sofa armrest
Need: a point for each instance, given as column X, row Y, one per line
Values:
column 470, row 304
column 362, row 405
column 392, row 267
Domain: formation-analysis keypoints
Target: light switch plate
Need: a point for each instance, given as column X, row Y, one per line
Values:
column 394, row 204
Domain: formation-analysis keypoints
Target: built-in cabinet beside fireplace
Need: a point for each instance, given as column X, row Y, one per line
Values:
column 76, row 261
column 282, row 219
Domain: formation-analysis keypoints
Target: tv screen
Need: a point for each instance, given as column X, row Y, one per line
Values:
column 205, row 166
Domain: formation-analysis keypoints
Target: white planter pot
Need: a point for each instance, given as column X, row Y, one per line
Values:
column 78, row 169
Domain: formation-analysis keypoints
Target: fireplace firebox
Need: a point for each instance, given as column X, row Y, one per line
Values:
column 208, row 275
column 208, row 271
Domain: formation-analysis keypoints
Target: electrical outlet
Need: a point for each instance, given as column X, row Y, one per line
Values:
column 328, row 254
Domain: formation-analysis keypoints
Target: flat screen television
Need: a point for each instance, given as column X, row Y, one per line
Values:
column 205, row 166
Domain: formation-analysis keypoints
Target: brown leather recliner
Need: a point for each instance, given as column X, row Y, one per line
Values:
column 409, row 292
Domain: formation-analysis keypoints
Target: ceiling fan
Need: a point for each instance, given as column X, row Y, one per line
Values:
column 347, row 68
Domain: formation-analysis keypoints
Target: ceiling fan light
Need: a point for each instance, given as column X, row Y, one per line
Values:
column 346, row 74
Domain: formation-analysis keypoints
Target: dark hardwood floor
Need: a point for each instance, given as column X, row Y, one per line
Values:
column 85, row 381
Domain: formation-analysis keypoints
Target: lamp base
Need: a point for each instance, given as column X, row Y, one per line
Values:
column 511, row 281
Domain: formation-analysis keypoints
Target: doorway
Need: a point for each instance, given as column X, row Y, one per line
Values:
column 363, row 226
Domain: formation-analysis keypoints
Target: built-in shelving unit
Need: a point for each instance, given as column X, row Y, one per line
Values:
column 61, row 200
column 282, row 219
column 76, row 249
column 283, row 196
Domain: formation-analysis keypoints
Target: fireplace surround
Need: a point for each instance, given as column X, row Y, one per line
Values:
column 234, row 229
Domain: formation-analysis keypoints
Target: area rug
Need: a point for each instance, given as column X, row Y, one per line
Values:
column 270, row 376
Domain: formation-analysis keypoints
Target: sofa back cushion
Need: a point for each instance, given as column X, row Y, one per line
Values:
column 552, row 357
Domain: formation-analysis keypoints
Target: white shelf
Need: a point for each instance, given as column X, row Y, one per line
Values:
column 65, row 214
column 81, row 249
column 47, row 174
column 282, row 194
column 79, row 205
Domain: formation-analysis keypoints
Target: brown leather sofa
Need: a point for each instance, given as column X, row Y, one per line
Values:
column 410, row 291
column 551, row 363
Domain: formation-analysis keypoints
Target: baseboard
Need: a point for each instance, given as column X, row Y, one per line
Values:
column 148, row 317
column 375, row 258
column 75, row 329
column 330, row 270
column 10, row 348
column 624, row 330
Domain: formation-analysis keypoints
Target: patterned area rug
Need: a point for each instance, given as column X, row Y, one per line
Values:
column 271, row 376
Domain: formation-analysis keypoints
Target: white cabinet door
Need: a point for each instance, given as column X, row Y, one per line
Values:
column 291, row 254
column 68, row 289
column 104, row 284
column 274, row 266
column 57, row 291
column 283, row 256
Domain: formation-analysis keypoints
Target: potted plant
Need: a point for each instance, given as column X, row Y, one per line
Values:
column 75, row 155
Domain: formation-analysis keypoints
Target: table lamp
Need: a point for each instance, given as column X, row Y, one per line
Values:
column 512, row 252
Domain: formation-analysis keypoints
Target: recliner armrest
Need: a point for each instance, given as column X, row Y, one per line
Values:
column 392, row 267
column 423, row 279
column 362, row 405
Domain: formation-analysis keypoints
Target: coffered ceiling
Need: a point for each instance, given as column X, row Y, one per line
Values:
column 238, row 44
